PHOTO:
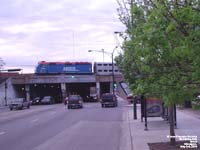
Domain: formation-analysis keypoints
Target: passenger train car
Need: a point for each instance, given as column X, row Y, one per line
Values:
column 44, row 67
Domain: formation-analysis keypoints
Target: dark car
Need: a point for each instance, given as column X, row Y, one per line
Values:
column 108, row 99
column 19, row 103
column 35, row 101
column 74, row 101
column 47, row 100
column 130, row 98
column 90, row 98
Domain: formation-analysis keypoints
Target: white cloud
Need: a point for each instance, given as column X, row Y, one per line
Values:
column 3, row 41
column 60, row 30
column 38, row 26
column 86, row 27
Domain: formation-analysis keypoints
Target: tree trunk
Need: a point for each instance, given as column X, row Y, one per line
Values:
column 171, row 123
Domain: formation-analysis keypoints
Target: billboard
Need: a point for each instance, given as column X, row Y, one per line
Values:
column 154, row 107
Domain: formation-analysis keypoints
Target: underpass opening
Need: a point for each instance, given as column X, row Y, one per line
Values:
column 104, row 87
column 20, row 91
column 82, row 89
column 41, row 90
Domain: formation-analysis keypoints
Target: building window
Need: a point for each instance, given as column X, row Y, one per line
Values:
column 116, row 70
column 99, row 64
column 105, row 64
column 105, row 70
column 99, row 70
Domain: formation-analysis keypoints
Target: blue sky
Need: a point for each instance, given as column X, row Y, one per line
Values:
column 56, row 30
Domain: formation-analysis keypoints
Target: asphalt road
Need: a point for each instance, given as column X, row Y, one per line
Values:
column 54, row 127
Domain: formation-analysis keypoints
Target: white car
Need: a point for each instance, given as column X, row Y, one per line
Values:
column 19, row 103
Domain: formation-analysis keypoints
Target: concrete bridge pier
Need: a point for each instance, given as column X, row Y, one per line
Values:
column 98, row 90
column 63, row 90
column 27, row 90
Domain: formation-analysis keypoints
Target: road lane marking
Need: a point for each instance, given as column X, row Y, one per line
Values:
column 34, row 120
column 2, row 133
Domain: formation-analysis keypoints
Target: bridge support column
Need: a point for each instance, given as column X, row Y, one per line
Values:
column 98, row 90
column 63, row 90
column 111, row 87
column 27, row 89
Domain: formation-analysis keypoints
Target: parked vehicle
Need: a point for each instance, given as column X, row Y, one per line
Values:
column 19, row 103
column 130, row 98
column 93, row 95
column 35, row 101
column 47, row 100
column 108, row 99
column 75, row 101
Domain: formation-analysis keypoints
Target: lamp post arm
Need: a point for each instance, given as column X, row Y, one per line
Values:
column 114, row 49
column 101, row 51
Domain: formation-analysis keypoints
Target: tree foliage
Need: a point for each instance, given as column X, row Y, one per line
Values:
column 2, row 63
column 161, row 55
column 162, row 52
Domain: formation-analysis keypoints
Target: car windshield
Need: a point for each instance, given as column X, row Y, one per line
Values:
column 107, row 96
column 47, row 97
column 74, row 97
column 18, row 100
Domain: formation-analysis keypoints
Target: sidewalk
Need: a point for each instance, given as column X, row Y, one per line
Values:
column 158, row 129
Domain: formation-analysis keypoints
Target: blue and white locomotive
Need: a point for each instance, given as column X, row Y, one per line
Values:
column 44, row 67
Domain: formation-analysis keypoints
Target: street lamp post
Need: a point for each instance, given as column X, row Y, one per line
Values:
column 113, row 75
column 116, row 38
column 102, row 51
column 112, row 56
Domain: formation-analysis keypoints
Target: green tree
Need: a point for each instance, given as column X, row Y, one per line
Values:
column 161, row 53
column 2, row 63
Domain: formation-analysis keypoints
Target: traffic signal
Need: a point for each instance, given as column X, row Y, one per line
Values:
column 114, row 85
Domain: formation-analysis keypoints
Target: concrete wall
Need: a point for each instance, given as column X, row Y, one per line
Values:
column 2, row 94
column 11, row 93
column 121, row 92
column 106, row 69
column 35, row 79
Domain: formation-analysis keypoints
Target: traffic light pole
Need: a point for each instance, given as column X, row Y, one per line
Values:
column 112, row 55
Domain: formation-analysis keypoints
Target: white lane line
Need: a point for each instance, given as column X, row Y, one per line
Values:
column 2, row 133
column 34, row 120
